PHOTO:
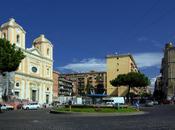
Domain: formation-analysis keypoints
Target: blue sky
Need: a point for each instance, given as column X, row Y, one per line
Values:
column 83, row 32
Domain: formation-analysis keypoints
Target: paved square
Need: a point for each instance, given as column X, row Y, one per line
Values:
column 161, row 117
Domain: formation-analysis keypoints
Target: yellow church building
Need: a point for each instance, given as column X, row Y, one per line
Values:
column 33, row 79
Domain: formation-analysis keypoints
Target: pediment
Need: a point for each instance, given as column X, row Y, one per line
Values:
column 35, row 51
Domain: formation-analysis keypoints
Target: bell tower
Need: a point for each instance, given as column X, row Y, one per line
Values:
column 44, row 46
column 13, row 32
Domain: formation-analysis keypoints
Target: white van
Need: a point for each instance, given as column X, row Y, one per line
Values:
column 113, row 100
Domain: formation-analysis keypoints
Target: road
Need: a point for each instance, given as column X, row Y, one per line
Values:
column 161, row 117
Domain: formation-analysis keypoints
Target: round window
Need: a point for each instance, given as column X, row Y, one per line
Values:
column 17, row 84
column 34, row 69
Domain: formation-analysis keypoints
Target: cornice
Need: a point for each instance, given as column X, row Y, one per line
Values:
column 28, row 75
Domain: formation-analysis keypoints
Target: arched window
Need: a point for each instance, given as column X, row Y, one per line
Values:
column 17, row 38
column 47, row 51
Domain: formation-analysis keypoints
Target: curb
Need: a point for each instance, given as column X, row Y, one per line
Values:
column 56, row 112
column 100, row 114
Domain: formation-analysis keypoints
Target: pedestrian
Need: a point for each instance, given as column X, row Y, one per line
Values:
column 70, row 104
column 137, row 105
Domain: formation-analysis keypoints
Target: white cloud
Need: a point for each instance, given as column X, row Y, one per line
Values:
column 86, row 65
column 144, row 60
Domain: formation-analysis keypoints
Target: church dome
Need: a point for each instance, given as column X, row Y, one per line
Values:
column 41, row 39
column 12, row 23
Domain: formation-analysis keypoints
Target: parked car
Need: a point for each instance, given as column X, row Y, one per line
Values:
column 6, row 107
column 156, row 102
column 9, row 107
column 31, row 106
column 2, row 108
column 166, row 101
column 149, row 103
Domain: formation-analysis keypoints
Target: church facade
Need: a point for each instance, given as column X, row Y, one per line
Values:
column 33, row 79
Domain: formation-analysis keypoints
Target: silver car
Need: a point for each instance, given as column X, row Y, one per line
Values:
column 149, row 103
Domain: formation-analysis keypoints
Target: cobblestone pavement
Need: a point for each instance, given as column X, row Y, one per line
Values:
column 160, row 117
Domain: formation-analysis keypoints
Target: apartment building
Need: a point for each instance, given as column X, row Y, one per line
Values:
column 65, row 87
column 168, row 71
column 82, row 80
column 119, row 64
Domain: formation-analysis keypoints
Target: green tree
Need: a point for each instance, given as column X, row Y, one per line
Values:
column 132, row 79
column 145, row 95
column 120, row 80
column 89, row 88
column 10, row 56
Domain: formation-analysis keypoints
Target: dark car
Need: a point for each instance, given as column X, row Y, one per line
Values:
column 166, row 102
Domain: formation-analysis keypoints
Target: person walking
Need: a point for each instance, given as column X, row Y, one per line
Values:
column 137, row 105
